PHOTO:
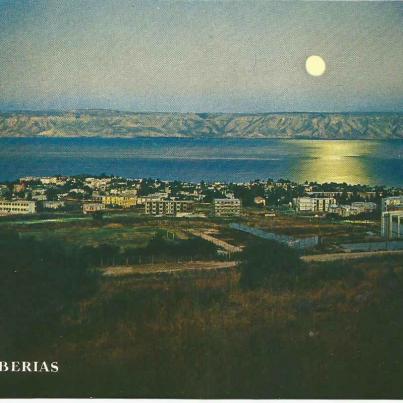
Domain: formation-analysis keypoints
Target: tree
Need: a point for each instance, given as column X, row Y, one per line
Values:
column 268, row 262
column 98, row 216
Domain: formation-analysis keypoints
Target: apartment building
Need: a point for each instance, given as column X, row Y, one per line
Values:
column 89, row 208
column 313, row 204
column 168, row 207
column 152, row 197
column 364, row 207
column 17, row 207
column 392, row 203
column 391, row 224
column 347, row 210
column 120, row 201
column 226, row 207
column 53, row 205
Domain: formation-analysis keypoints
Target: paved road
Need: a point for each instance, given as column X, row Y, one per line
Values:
column 331, row 257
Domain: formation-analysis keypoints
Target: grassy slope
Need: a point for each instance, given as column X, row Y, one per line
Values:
column 337, row 333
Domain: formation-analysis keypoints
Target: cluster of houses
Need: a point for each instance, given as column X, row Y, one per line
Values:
column 330, row 205
column 162, row 198
column 160, row 206
column 391, row 211
column 31, row 194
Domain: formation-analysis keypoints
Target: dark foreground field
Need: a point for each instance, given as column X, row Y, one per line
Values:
column 329, row 331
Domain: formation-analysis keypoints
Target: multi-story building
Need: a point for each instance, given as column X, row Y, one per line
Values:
column 53, row 204
column 168, row 207
column 226, row 207
column 343, row 210
column 89, row 208
column 392, row 203
column 121, row 201
column 126, row 192
column 364, row 207
column 98, row 183
column 39, row 194
column 392, row 216
column 313, row 204
column 326, row 194
column 347, row 210
column 391, row 225
column 17, row 207
column 53, row 180
column 19, row 187
column 152, row 197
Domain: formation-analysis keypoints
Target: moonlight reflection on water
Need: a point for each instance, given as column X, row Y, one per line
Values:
column 335, row 161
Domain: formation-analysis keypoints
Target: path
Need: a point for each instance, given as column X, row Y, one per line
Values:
column 171, row 267
column 331, row 257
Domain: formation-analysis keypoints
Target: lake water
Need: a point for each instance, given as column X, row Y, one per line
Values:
column 238, row 160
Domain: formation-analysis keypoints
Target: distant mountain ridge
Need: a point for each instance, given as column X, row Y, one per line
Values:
column 109, row 123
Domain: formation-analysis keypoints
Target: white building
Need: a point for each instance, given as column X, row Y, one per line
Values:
column 365, row 207
column 39, row 194
column 392, row 203
column 152, row 197
column 346, row 210
column 313, row 204
column 89, row 208
column 17, row 207
column 53, row 180
column 391, row 225
column 54, row 205
column 226, row 207
column 98, row 183
column 168, row 207
column 343, row 210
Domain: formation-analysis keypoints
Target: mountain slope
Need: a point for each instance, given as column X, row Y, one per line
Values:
column 271, row 125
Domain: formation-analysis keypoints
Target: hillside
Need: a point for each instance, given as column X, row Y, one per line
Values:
column 106, row 123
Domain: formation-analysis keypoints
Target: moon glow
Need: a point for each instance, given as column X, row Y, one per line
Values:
column 315, row 65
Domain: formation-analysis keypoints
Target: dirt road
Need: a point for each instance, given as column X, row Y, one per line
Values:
column 115, row 271
column 330, row 257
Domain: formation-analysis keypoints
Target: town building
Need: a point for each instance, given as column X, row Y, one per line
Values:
column 29, row 179
column 125, row 192
column 39, row 194
column 19, row 187
column 98, row 183
column 365, row 207
column 226, row 207
column 53, row 180
column 391, row 224
column 347, row 210
column 120, row 201
column 326, row 194
column 89, row 208
column 313, row 204
column 17, row 207
column 343, row 210
column 152, row 197
column 392, row 203
column 53, row 204
column 168, row 207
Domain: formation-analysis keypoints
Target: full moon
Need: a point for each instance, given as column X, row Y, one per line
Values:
column 315, row 65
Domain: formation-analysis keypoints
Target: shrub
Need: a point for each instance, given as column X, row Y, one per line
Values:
column 265, row 262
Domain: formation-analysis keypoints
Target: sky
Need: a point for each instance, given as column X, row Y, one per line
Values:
column 200, row 56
